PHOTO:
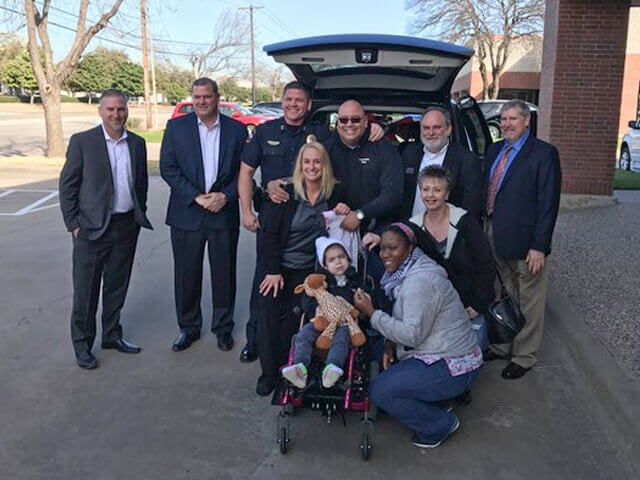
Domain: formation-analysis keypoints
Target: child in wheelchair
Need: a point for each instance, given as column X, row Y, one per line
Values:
column 342, row 280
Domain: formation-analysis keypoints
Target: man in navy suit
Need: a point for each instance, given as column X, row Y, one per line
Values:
column 435, row 148
column 200, row 160
column 103, row 198
column 523, row 180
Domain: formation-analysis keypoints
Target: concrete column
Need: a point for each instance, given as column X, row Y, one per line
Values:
column 581, row 87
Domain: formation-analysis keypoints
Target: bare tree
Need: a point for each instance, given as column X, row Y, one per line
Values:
column 272, row 78
column 224, row 53
column 491, row 26
column 51, row 76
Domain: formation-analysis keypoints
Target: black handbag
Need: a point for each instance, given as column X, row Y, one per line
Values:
column 504, row 318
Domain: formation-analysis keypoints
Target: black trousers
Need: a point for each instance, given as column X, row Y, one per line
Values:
column 188, row 255
column 107, row 260
column 278, row 322
column 254, row 305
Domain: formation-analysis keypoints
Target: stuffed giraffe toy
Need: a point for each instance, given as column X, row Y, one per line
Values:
column 331, row 313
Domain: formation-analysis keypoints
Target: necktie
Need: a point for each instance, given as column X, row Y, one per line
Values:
column 494, row 182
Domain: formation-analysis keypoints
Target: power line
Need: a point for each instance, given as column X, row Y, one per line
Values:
column 276, row 19
column 111, row 27
column 115, row 42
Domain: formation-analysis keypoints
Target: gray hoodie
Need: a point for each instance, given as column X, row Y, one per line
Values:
column 428, row 316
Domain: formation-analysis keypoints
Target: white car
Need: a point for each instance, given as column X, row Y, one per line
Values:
column 630, row 148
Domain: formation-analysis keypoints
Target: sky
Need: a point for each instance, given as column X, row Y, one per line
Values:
column 193, row 21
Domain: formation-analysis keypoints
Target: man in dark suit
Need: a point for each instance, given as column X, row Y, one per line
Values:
column 523, row 179
column 435, row 148
column 103, row 198
column 200, row 160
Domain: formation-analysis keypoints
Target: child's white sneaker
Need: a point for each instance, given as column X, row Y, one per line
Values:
column 296, row 375
column 330, row 375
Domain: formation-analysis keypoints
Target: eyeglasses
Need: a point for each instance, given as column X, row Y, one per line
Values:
column 354, row 120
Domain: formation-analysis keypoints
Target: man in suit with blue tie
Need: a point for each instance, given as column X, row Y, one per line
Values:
column 523, row 180
column 103, row 198
column 200, row 160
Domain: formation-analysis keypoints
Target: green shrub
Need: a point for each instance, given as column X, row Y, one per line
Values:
column 134, row 123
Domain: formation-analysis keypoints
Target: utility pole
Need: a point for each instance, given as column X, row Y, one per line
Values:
column 145, row 62
column 153, row 81
column 251, row 8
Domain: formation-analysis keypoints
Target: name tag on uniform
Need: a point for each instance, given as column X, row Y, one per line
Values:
column 364, row 160
column 273, row 143
column 409, row 170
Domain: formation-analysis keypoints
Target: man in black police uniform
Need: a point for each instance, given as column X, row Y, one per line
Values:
column 273, row 148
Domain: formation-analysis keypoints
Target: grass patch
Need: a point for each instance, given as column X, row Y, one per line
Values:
column 151, row 136
column 624, row 180
column 9, row 99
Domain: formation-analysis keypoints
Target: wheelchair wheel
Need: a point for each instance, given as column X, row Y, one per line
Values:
column 283, row 440
column 365, row 447
column 374, row 369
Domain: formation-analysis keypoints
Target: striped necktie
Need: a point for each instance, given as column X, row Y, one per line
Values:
column 494, row 182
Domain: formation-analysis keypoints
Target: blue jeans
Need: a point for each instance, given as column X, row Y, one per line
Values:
column 479, row 325
column 306, row 339
column 411, row 391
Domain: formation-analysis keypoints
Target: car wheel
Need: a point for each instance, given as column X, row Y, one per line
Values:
column 494, row 130
column 625, row 158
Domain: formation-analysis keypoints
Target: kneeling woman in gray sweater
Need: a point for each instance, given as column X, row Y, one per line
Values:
column 430, row 335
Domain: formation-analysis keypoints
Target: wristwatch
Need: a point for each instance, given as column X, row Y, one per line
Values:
column 360, row 215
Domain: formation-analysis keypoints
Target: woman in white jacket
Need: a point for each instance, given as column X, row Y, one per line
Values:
column 429, row 333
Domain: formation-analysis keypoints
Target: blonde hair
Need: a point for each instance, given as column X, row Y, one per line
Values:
column 328, row 181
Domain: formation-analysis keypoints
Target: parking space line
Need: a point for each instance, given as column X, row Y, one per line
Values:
column 33, row 207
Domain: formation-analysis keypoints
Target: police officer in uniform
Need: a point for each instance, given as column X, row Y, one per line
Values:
column 273, row 148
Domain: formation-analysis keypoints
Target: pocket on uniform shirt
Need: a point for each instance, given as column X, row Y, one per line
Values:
column 271, row 151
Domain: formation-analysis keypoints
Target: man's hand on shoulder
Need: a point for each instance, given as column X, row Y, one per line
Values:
column 376, row 132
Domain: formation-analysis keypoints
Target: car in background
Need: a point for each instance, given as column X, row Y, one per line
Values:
column 491, row 110
column 630, row 148
column 233, row 110
column 274, row 106
column 395, row 78
column 278, row 112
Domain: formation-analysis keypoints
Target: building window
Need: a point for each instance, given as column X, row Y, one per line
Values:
column 520, row 94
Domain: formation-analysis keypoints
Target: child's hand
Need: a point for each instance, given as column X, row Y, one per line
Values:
column 341, row 209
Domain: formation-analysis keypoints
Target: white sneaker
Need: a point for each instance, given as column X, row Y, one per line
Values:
column 433, row 444
column 296, row 375
column 330, row 375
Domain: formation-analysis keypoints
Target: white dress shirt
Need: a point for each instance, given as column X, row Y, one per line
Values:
column 210, row 147
column 428, row 159
column 120, row 161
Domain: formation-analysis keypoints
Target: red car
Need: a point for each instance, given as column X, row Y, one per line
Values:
column 233, row 110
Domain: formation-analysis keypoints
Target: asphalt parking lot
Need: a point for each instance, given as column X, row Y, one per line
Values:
column 194, row 414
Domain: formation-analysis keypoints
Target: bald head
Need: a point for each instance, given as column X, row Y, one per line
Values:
column 352, row 122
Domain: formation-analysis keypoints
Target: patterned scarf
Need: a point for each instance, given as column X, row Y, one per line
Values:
column 390, row 281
